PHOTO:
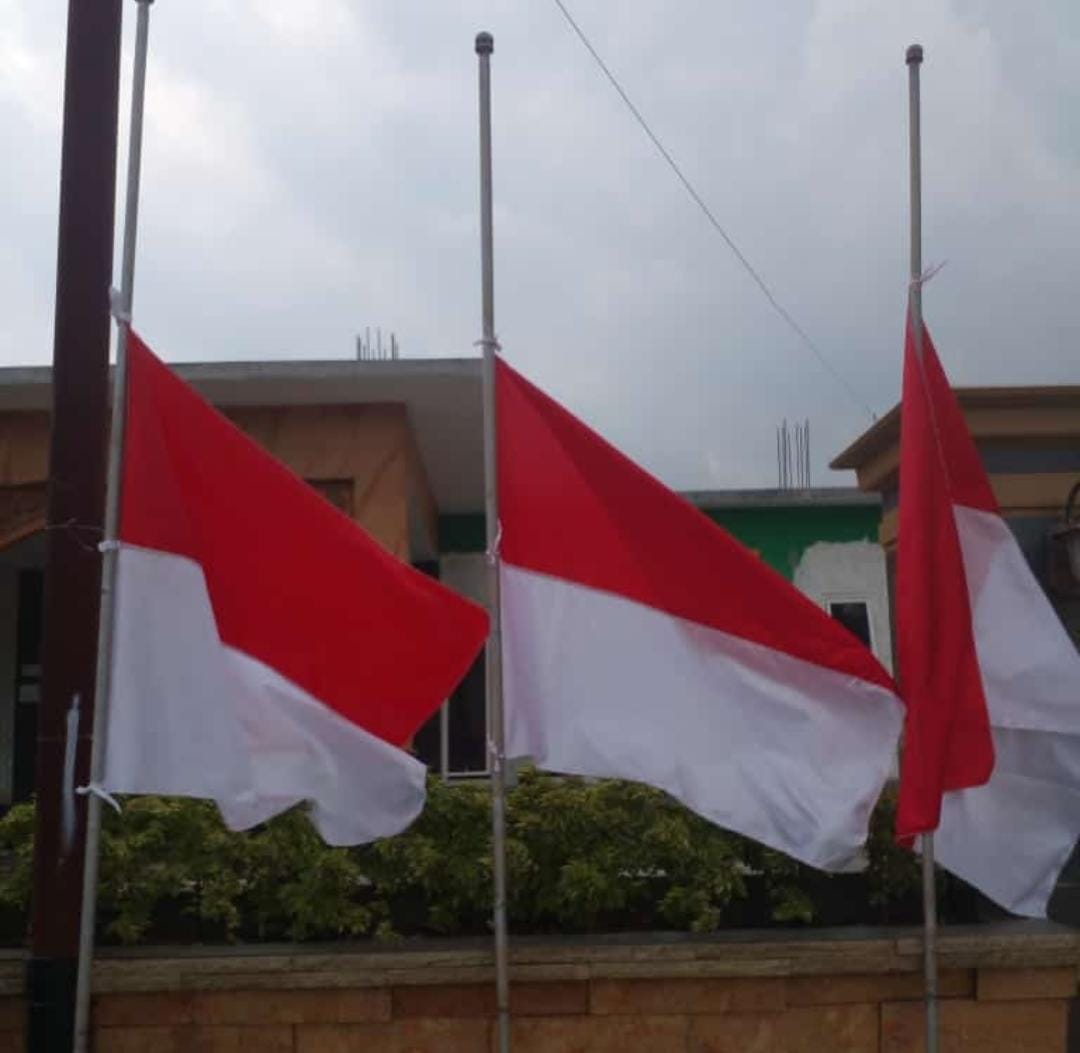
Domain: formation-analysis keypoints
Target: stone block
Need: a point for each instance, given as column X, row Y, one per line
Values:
column 564, row 998
column 273, row 1039
column 403, row 1036
column 804, row 1029
column 443, row 1000
column 691, row 997
column 836, row 1029
column 159, row 1009
column 736, row 1033
column 139, row 1040
column 887, row 987
column 1002, row 985
column 194, row 1039
column 344, row 1006
column 966, row 1025
column 467, row 1000
column 12, row 1014
column 600, row 1034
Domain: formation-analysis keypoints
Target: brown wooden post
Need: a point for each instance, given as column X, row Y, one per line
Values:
column 75, row 513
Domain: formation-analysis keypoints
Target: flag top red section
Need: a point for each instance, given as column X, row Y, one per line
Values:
column 574, row 507
column 947, row 740
column 293, row 582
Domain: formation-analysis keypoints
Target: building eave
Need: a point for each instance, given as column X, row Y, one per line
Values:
column 442, row 397
column 885, row 433
column 817, row 497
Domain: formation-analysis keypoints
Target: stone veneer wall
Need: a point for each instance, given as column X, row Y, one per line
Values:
column 1010, row 987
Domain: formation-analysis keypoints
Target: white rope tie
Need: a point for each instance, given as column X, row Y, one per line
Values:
column 930, row 272
column 494, row 341
column 95, row 789
column 116, row 307
column 496, row 757
column 492, row 553
column 108, row 546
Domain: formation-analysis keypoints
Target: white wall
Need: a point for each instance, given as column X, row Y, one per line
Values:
column 828, row 571
column 850, row 570
column 464, row 572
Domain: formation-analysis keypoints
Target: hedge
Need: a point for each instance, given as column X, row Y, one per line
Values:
column 583, row 856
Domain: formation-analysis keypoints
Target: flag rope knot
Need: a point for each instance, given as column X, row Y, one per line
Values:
column 108, row 546
column 75, row 526
column 95, row 789
column 116, row 306
column 930, row 272
column 496, row 757
column 492, row 554
column 482, row 342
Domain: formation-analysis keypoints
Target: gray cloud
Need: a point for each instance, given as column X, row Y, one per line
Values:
column 310, row 170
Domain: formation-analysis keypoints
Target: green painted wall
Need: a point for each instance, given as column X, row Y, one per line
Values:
column 778, row 535
column 781, row 535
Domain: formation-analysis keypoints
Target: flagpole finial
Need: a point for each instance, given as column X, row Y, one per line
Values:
column 914, row 54
column 485, row 43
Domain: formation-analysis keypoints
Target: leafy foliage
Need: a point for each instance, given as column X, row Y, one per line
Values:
column 582, row 856
column 893, row 873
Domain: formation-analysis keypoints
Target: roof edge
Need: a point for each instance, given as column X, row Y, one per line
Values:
column 885, row 431
column 815, row 497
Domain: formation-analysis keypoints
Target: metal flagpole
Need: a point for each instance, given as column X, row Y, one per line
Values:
column 497, row 747
column 122, row 312
column 914, row 60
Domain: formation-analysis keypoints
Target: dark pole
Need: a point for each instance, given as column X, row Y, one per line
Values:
column 76, row 507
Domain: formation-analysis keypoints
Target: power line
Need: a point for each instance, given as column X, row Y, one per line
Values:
column 708, row 213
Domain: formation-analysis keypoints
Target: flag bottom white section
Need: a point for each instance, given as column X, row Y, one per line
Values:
column 1012, row 837
column 192, row 717
column 776, row 748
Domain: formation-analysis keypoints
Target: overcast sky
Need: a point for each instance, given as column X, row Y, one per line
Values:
column 311, row 169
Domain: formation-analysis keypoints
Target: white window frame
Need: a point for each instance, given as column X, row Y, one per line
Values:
column 476, row 593
column 445, row 772
column 854, row 597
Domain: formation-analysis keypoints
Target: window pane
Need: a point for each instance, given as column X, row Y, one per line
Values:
column 426, row 742
column 467, row 730
column 339, row 492
column 854, row 616
column 468, row 722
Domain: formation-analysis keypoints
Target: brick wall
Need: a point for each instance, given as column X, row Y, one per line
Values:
column 1006, row 988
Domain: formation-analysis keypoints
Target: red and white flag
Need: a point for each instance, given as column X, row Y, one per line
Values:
column 266, row 651
column 640, row 641
column 990, row 679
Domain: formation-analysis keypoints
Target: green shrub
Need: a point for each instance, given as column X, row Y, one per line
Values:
column 583, row 856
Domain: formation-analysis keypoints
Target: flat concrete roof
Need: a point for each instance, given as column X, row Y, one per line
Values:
column 815, row 497
column 441, row 395
column 885, row 432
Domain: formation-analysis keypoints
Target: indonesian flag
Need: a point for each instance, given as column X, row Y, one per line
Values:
column 989, row 676
column 642, row 642
column 266, row 651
